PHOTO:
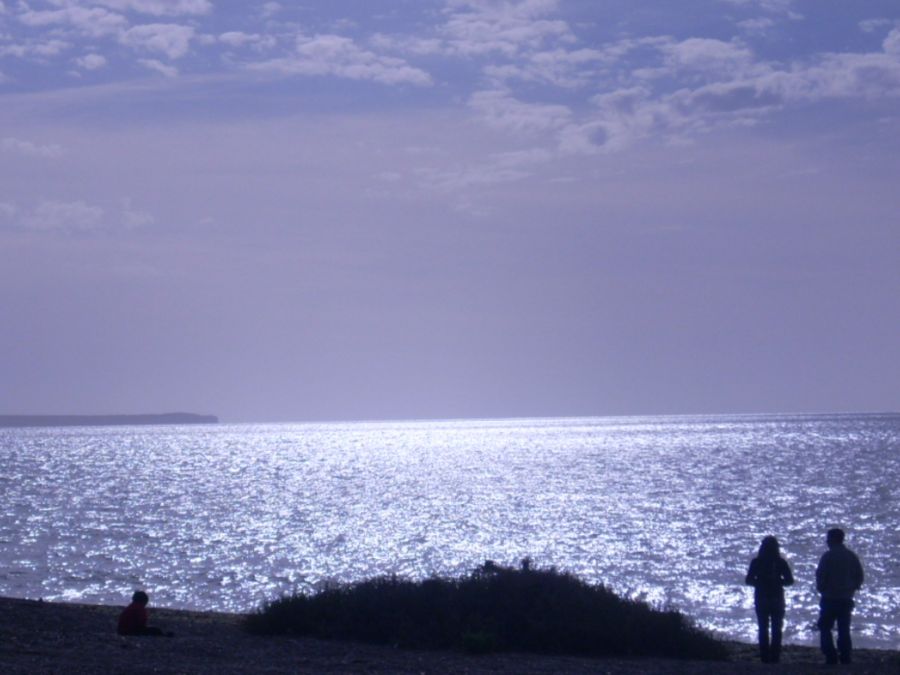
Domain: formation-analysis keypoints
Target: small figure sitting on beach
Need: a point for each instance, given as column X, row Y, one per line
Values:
column 133, row 619
column 769, row 573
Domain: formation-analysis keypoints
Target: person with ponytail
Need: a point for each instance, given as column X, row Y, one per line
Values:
column 769, row 573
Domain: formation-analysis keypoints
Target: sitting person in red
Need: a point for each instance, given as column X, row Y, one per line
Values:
column 133, row 619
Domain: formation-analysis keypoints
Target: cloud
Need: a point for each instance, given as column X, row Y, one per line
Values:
column 559, row 67
column 891, row 43
column 708, row 55
column 8, row 211
column 75, row 217
column 90, row 21
column 410, row 44
column 621, row 118
column 871, row 25
column 29, row 149
column 132, row 218
column 737, row 91
column 499, row 109
column 270, row 9
column 774, row 6
column 173, row 40
column 782, row 9
column 91, row 61
column 65, row 216
column 159, row 7
column 35, row 48
column 474, row 28
column 238, row 39
column 341, row 57
column 758, row 26
column 483, row 26
column 501, row 167
column 159, row 67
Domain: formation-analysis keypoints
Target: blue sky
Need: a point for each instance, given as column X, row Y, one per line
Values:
column 364, row 209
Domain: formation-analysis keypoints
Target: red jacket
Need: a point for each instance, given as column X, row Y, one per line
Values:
column 132, row 620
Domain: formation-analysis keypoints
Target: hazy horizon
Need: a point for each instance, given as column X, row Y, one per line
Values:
column 449, row 209
column 400, row 420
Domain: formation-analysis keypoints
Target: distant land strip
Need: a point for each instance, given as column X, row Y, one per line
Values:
column 103, row 420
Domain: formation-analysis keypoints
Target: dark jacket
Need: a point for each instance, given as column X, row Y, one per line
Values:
column 132, row 620
column 839, row 574
column 769, row 576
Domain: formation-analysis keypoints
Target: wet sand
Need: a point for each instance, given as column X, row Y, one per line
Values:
column 45, row 637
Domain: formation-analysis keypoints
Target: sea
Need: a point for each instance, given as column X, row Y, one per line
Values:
column 667, row 509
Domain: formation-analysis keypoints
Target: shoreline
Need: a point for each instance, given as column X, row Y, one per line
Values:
column 39, row 636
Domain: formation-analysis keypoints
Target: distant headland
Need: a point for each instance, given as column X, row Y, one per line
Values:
column 103, row 420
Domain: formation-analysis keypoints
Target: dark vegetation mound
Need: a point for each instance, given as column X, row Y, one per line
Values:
column 493, row 609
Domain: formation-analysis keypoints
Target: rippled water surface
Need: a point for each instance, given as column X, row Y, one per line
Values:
column 671, row 509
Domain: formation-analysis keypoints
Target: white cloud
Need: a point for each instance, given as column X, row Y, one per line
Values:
column 622, row 117
column 8, row 211
column 270, row 9
column 159, row 67
column 173, row 40
column 160, row 7
column 502, row 167
column 732, row 90
column 342, row 57
column 75, row 216
column 891, row 43
column 132, row 218
column 484, row 26
column 710, row 55
column 774, row 6
column 410, row 44
column 91, row 61
column 560, row 67
column 871, row 25
column 757, row 26
column 500, row 109
column 29, row 149
column 35, row 48
column 238, row 39
column 65, row 216
column 90, row 21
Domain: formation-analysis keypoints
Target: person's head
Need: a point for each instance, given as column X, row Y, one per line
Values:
column 140, row 598
column 769, row 547
column 835, row 536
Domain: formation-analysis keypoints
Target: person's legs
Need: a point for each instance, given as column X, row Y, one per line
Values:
column 762, row 622
column 844, row 643
column 827, row 618
column 777, row 625
column 770, row 616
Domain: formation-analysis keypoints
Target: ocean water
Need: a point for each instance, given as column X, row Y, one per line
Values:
column 670, row 509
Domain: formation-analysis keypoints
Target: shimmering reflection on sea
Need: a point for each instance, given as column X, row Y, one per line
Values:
column 670, row 509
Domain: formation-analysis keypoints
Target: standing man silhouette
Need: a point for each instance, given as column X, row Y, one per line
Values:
column 838, row 576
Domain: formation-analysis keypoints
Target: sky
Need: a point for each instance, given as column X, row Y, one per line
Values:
column 399, row 209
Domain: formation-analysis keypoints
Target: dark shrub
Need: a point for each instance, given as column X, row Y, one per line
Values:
column 493, row 609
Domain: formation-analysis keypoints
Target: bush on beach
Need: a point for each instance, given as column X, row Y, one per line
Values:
column 493, row 609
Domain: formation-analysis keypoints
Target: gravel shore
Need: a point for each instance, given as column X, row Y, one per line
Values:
column 45, row 637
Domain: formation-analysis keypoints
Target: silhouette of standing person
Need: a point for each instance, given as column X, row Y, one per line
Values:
column 838, row 576
column 769, row 573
